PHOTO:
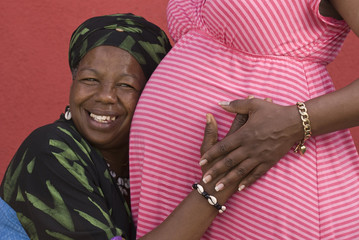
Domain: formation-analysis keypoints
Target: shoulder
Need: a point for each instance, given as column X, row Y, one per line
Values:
column 61, row 132
column 50, row 144
column 57, row 129
column 53, row 153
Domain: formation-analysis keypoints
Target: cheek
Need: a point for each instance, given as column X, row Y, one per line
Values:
column 134, row 104
column 79, row 94
column 131, row 108
column 130, row 101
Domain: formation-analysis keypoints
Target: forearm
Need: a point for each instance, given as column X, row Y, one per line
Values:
column 335, row 111
column 338, row 110
column 192, row 216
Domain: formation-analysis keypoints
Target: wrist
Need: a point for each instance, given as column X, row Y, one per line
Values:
column 296, row 127
column 223, row 195
column 211, row 199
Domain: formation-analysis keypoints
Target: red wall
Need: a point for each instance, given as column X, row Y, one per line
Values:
column 35, row 77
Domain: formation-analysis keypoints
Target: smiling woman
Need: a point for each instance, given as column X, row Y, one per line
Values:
column 103, row 97
column 106, row 87
column 70, row 179
column 89, row 143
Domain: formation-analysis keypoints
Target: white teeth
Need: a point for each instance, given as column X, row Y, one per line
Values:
column 102, row 119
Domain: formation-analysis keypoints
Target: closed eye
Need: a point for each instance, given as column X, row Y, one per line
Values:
column 124, row 85
column 89, row 81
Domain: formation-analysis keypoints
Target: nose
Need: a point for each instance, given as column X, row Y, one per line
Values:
column 106, row 94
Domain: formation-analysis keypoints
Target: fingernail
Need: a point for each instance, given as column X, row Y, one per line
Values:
column 203, row 162
column 224, row 103
column 219, row 187
column 241, row 188
column 208, row 118
column 250, row 97
column 207, row 179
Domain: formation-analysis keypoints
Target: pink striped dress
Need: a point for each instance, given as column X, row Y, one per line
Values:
column 227, row 50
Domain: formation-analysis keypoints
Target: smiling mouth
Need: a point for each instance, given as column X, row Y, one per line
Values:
column 102, row 119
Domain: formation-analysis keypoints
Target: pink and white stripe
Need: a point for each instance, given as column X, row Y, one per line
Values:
column 228, row 50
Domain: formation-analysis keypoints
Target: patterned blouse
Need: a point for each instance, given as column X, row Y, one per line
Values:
column 61, row 188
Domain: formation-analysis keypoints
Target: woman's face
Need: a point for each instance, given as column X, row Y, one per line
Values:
column 104, row 94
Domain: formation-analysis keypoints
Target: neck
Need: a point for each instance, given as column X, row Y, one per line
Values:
column 118, row 160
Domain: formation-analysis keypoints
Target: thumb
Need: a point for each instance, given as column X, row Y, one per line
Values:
column 237, row 123
column 237, row 106
column 210, row 134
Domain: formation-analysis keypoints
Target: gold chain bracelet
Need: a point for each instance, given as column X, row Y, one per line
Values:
column 306, row 126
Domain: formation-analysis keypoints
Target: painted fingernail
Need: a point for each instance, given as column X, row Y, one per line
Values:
column 219, row 187
column 250, row 97
column 224, row 103
column 241, row 188
column 203, row 162
column 207, row 179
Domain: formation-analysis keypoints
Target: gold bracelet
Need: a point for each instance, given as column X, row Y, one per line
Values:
column 306, row 126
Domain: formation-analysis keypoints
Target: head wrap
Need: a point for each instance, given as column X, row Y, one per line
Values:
column 145, row 41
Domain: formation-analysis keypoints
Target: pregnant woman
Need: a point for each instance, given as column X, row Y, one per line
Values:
column 228, row 50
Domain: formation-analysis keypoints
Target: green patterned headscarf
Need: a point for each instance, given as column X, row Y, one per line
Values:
column 146, row 42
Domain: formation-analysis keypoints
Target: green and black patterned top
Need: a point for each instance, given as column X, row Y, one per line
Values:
column 61, row 188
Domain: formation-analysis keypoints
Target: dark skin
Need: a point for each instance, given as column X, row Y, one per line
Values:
column 183, row 222
column 272, row 130
column 327, row 10
column 103, row 97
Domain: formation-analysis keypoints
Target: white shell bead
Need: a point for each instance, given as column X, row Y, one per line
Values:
column 200, row 189
column 212, row 200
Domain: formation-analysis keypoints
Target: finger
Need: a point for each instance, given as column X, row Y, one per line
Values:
column 253, row 176
column 237, row 123
column 222, row 148
column 210, row 133
column 238, row 106
column 225, row 165
column 268, row 99
column 239, row 120
column 236, row 175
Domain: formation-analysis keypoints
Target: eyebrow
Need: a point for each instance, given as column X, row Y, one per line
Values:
column 87, row 69
column 96, row 72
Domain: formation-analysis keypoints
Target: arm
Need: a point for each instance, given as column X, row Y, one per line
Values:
column 335, row 111
column 273, row 130
column 348, row 9
column 338, row 110
column 194, row 215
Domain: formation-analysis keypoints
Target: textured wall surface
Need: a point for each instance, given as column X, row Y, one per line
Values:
column 35, row 77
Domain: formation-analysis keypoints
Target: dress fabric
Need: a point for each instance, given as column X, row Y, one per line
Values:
column 60, row 188
column 226, row 50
